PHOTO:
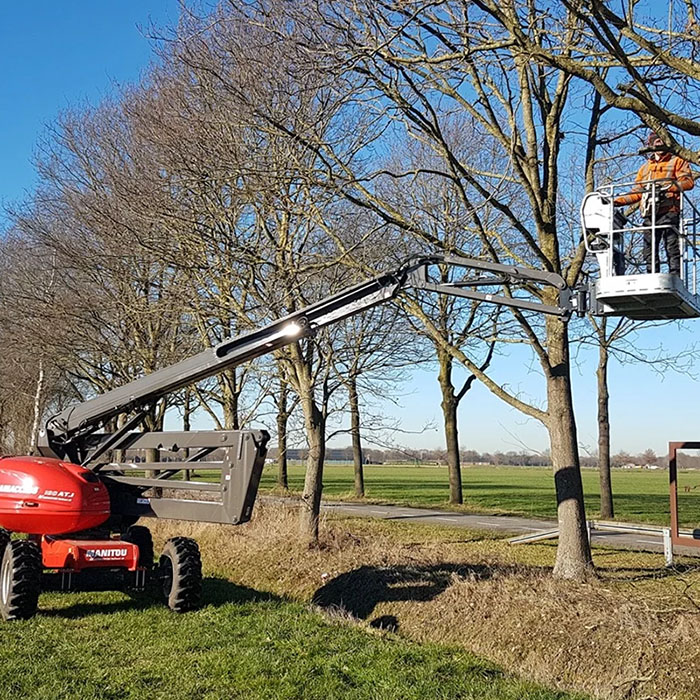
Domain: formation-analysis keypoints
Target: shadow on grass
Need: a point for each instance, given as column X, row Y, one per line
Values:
column 635, row 573
column 359, row 591
column 215, row 592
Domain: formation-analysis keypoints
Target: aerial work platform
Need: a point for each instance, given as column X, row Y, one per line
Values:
column 632, row 281
column 647, row 297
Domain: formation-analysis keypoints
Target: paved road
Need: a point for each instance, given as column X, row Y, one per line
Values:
column 514, row 525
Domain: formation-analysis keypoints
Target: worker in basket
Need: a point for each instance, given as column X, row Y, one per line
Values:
column 660, row 206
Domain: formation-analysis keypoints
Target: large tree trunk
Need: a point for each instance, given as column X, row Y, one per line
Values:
column 573, row 559
column 152, row 454
column 282, row 418
column 606, row 496
column 153, row 422
column 313, row 481
column 449, row 411
column 315, row 424
column 356, row 437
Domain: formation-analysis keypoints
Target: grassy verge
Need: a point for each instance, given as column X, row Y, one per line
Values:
column 629, row 633
column 640, row 496
column 412, row 611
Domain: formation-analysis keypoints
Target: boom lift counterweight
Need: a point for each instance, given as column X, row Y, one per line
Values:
column 74, row 489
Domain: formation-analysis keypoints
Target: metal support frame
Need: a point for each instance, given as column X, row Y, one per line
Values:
column 689, row 538
column 668, row 547
column 506, row 274
column 114, row 441
column 609, row 526
column 66, row 580
column 140, row 579
column 241, row 467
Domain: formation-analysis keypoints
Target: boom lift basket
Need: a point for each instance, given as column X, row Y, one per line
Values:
column 625, row 286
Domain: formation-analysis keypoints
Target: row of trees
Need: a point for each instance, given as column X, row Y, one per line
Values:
column 279, row 151
column 472, row 457
column 467, row 457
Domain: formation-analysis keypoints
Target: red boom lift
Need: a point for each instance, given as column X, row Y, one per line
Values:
column 79, row 508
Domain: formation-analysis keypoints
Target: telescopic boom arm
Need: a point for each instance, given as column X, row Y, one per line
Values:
column 66, row 430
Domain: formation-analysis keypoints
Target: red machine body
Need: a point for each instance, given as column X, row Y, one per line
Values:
column 77, row 555
column 45, row 496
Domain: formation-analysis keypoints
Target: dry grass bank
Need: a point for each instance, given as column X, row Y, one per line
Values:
column 632, row 633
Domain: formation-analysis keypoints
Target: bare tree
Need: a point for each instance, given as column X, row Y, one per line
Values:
column 620, row 339
column 641, row 60
column 31, row 359
column 437, row 204
column 291, row 244
column 285, row 403
column 405, row 68
column 372, row 352
column 617, row 338
column 116, row 312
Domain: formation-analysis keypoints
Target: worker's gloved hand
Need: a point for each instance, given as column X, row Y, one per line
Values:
column 605, row 200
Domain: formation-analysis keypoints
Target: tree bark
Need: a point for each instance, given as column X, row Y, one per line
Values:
column 449, row 405
column 231, row 395
column 357, row 459
column 573, row 560
column 152, row 454
column 315, row 424
column 606, row 497
column 313, row 481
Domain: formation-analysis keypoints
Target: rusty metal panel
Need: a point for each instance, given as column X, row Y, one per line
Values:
column 676, row 537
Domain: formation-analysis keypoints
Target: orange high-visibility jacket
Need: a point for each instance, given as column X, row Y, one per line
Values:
column 670, row 167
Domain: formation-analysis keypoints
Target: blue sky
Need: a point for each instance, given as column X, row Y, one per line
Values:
column 59, row 54
column 54, row 54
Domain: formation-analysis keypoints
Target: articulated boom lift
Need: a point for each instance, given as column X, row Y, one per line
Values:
column 79, row 507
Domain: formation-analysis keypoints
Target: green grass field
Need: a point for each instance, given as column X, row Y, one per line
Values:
column 640, row 495
column 243, row 644
column 249, row 642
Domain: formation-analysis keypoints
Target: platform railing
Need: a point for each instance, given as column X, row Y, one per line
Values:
column 621, row 247
column 690, row 221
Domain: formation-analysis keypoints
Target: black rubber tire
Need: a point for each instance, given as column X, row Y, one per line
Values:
column 20, row 580
column 180, row 571
column 4, row 539
column 141, row 537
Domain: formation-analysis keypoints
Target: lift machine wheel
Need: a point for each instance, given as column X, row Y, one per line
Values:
column 20, row 579
column 180, row 570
